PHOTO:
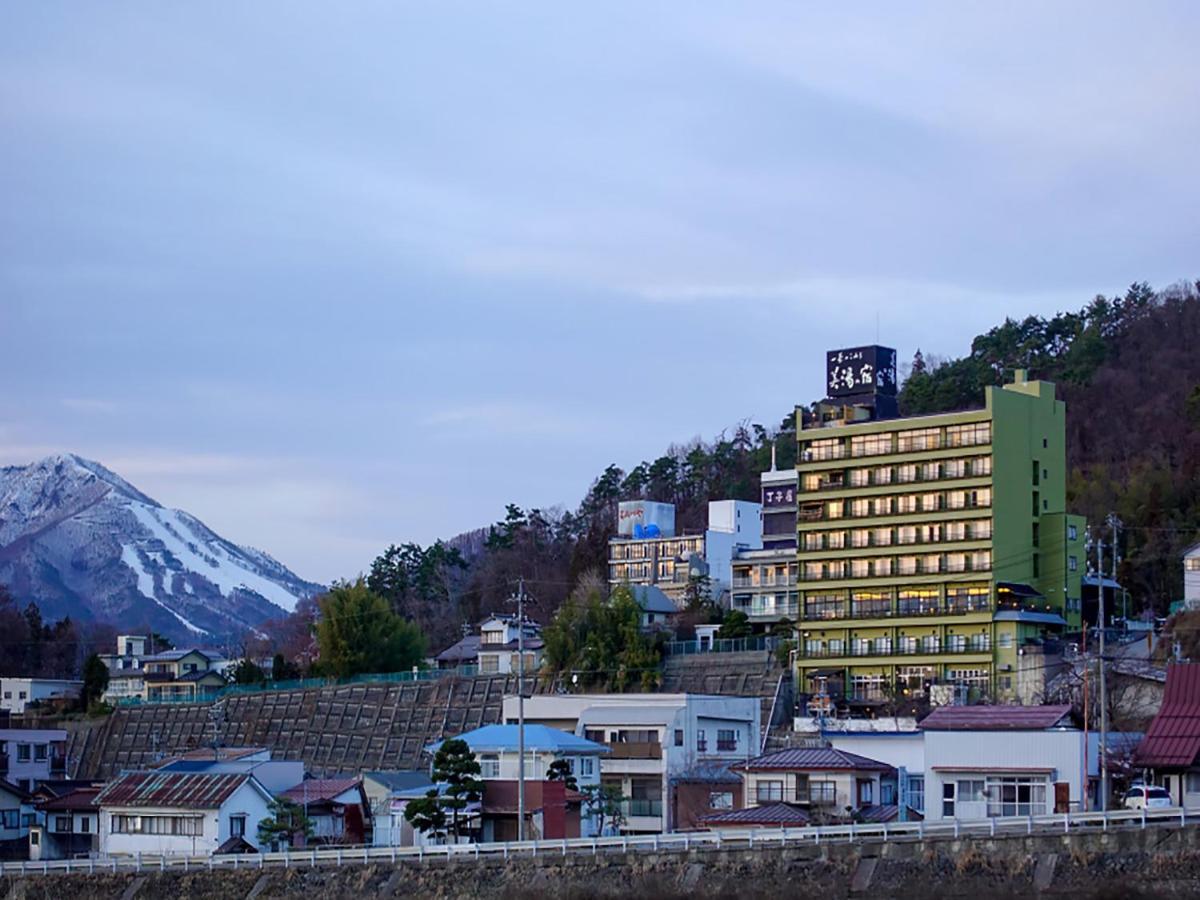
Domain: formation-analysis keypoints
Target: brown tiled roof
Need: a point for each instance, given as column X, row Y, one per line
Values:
column 816, row 758
column 314, row 790
column 777, row 814
column 994, row 718
column 179, row 790
column 82, row 799
column 1173, row 740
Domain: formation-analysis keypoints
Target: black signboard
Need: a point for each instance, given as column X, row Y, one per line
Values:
column 861, row 370
column 783, row 495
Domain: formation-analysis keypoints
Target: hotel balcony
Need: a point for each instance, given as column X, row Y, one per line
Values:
column 871, row 650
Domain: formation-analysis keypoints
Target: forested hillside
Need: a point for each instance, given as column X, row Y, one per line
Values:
column 1127, row 366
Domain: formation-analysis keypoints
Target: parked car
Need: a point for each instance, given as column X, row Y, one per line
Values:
column 1147, row 796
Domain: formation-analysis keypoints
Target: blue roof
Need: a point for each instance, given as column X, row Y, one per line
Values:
column 537, row 738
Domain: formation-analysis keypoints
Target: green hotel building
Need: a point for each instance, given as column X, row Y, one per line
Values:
column 934, row 550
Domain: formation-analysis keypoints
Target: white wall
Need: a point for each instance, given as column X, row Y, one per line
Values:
column 1191, row 578
column 16, row 693
column 954, row 755
column 246, row 800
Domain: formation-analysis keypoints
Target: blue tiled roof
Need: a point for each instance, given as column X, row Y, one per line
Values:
column 537, row 738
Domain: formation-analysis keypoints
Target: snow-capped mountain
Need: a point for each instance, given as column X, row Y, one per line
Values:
column 81, row 541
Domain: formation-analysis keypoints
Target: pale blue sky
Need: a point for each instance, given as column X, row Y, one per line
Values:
column 331, row 276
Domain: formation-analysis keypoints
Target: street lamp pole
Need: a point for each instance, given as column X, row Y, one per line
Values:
column 521, row 710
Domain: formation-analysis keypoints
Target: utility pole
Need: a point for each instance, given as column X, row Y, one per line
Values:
column 521, row 710
column 1103, row 683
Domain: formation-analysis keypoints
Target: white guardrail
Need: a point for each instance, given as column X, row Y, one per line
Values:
column 1059, row 823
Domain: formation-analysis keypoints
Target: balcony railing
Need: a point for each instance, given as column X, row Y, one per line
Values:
column 890, row 612
column 635, row 750
column 894, row 650
column 644, row 807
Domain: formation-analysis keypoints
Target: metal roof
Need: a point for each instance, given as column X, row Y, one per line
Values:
column 652, row 599
column 465, row 648
column 813, row 758
column 400, row 779
column 778, row 814
column 82, row 799
column 537, row 738
column 314, row 790
column 177, row 790
column 995, row 718
column 1173, row 740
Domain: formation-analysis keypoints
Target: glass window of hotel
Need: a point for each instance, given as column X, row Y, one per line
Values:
column 882, row 566
column 906, row 504
column 919, row 439
column 906, row 565
column 882, row 537
column 931, row 563
column 954, row 468
column 813, row 540
column 866, row 687
column 969, row 435
column 931, row 471
column 829, row 448
column 813, row 647
column 967, row 598
column 871, row 445
column 981, row 529
column 954, row 531
column 906, row 473
column 859, row 646
column 883, row 645
column 860, row 507
column 768, row 791
column 882, row 475
column 906, row 534
column 860, row 537
column 981, row 497
column 917, row 600
column 860, row 477
column 981, row 465
column 837, row 646
column 929, row 534
column 811, row 482
column 860, row 568
column 871, row 603
column 956, row 642
column 825, row 606
column 931, row 502
column 906, row 644
column 981, row 560
column 837, row 540
column 980, row 641
column 813, row 571
column 930, row 643
column 956, row 562
column 833, row 509
column 956, row 499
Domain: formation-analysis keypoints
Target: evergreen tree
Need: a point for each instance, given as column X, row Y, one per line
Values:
column 455, row 767
column 286, row 822
column 95, row 681
column 560, row 770
column 358, row 633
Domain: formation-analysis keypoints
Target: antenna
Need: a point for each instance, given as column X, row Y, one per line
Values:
column 772, row 456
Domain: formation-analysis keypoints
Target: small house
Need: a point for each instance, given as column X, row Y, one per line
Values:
column 337, row 808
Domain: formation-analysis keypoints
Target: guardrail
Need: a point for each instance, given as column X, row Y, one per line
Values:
column 1064, row 823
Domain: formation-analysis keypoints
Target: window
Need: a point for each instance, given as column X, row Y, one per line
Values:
column 237, row 826
column 906, row 565
column 967, row 598
column 981, row 561
column 678, row 737
column 860, row 568
column 1072, row 563
column 916, row 792
column 860, row 507
column 969, row 435
column 871, row 603
column 768, row 792
column 489, row 664
column 825, row 606
column 1192, row 782
column 11, row 817
column 917, row 601
column 190, row 826
column 954, row 468
column 701, row 742
column 970, row 790
column 882, row 537
column 587, row 766
column 822, row 793
column 85, row 824
column 62, row 823
column 1073, row 534
column 720, row 800
column 23, row 752
column 860, row 537
column 906, row 504
column 830, row 448
column 882, row 476
column 919, row 439
column 906, row 534
column 1020, row 796
column 726, row 740
column 860, row 477
column 931, row 471
column 906, row 473
column 871, row 445
column 956, row 500
column 866, row 687
column 981, row 465
column 39, row 752
column 489, row 765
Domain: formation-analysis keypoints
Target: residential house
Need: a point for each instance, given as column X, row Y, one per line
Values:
column 70, row 827
column 499, row 640
column 989, row 761
column 126, row 677
column 159, row 813
column 702, row 792
column 896, row 741
column 657, row 608
column 17, row 693
column 769, row 815
column 388, row 794
column 463, row 652
column 276, row 775
column 17, row 816
column 825, row 782
column 337, row 808
column 182, row 676
column 1169, row 755
column 31, row 756
column 496, row 749
column 654, row 741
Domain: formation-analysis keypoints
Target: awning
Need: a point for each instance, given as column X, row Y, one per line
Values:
column 1017, row 589
column 996, row 770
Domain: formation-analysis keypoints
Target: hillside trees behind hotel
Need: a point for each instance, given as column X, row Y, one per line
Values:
column 600, row 641
column 422, row 585
column 358, row 633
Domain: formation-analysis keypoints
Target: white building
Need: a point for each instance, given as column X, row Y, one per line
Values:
column 673, row 561
column 16, row 812
column 70, row 828
column 652, row 740
column 990, row 761
column 162, row 813
column 498, row 645
column 17, row 693
column 901, row 746
column 30, row 756
column 1191, row 577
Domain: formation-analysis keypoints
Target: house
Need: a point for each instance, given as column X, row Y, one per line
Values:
column 17, row 693
column 824, row 782
column 988, row 761
column 498, row 645
column 31, row 756
column 17, row 816
column 182, row 676
column 337, row 808
column 463, row 652
column 157, row 813
column 1169, row 754
column 495, row 748
column 769, row 815
column 388, row 794
column 70, row 827
column 704, row 791
column 276, row 775
column 894, row 740
column 657, row 608
column 653, row 740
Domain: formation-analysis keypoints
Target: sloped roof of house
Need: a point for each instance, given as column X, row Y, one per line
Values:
column 537, row 738
column 887, row 813
column 176, row 655
column 83, row 799
column 996, row 718
column 770, row 814
column 315, row 790
column 401, row 779
column 813, row 758
column 177, row 790
column 652, row 599
column 463, row 650
column 1173, row 740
